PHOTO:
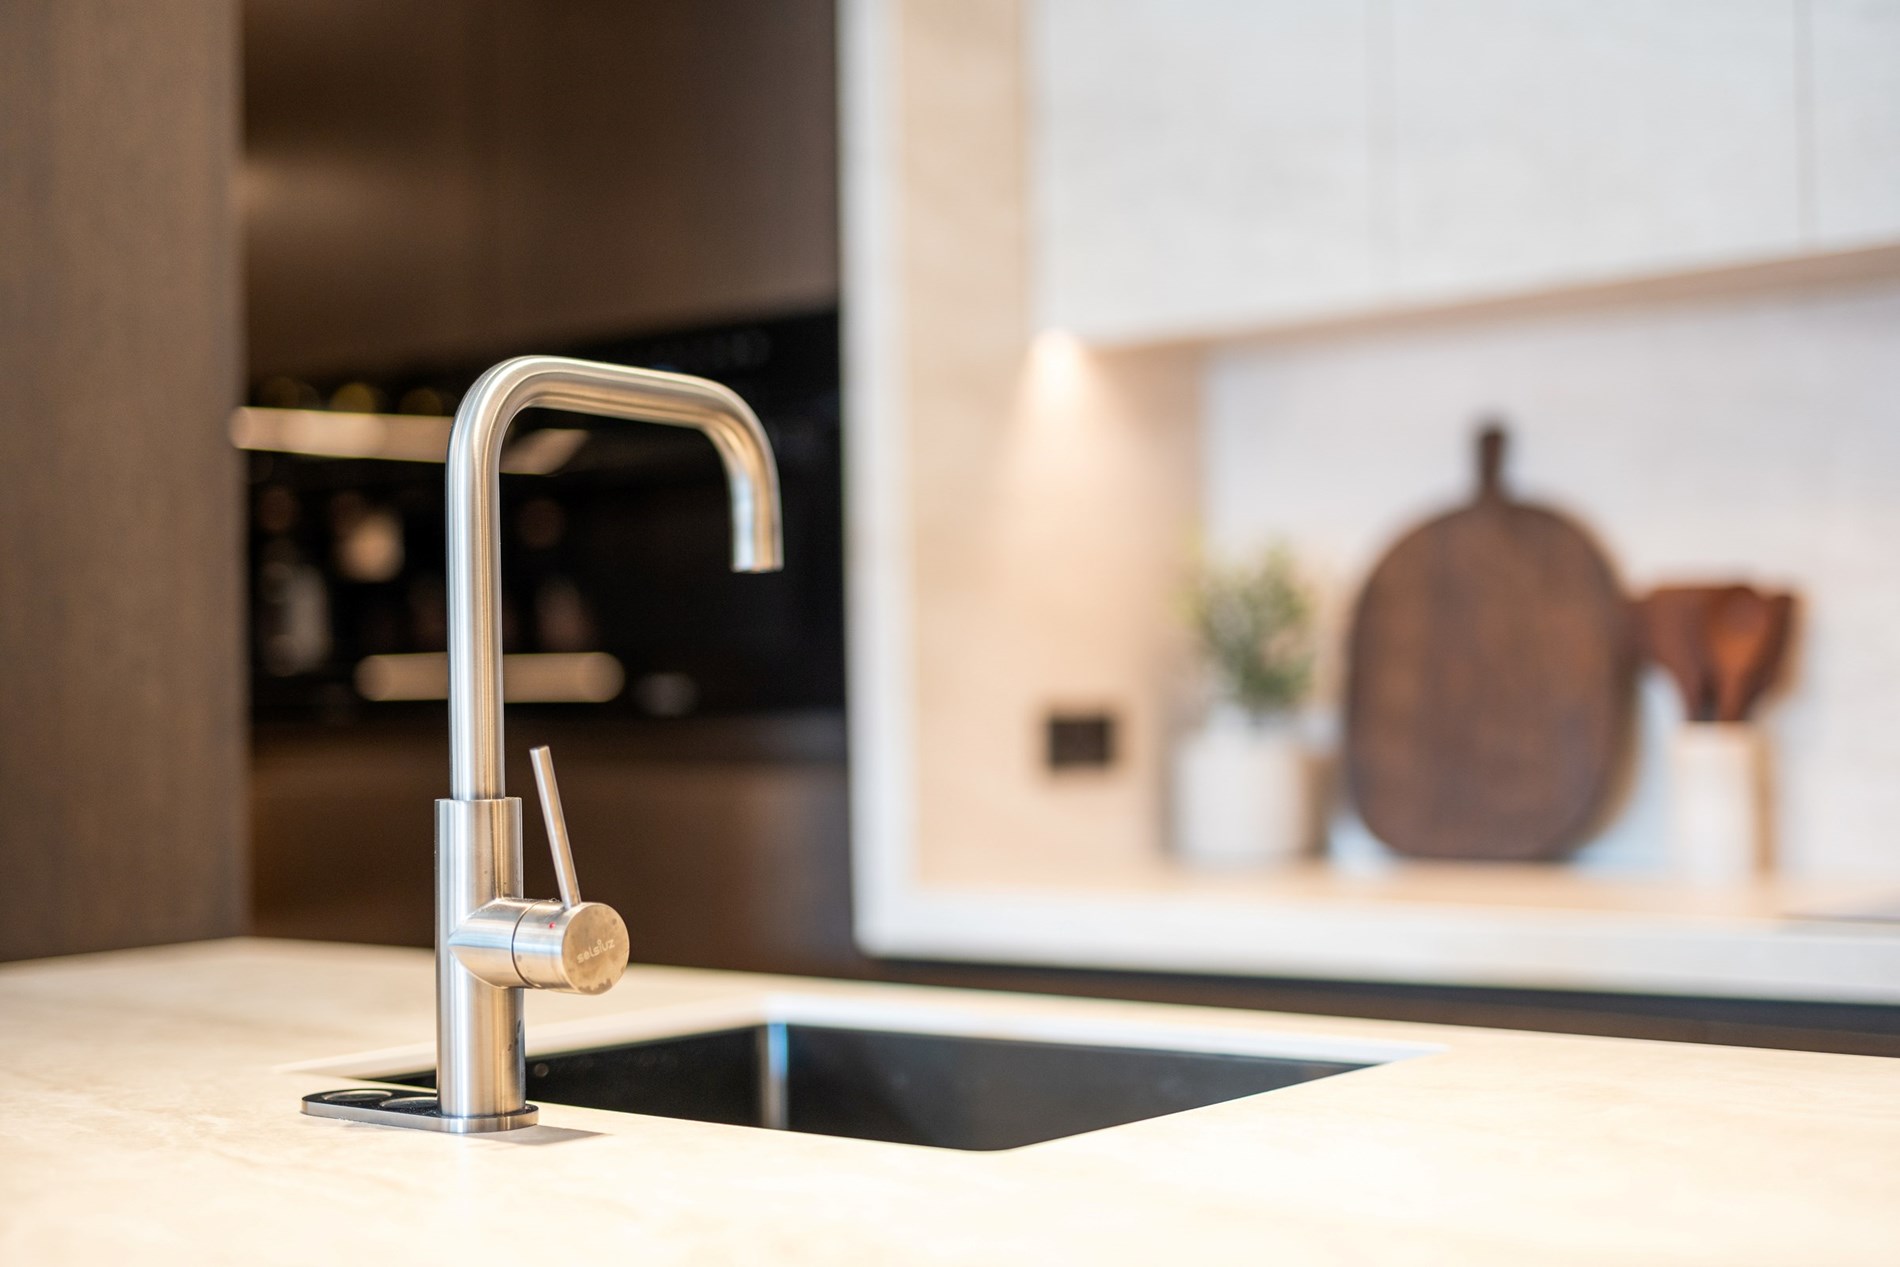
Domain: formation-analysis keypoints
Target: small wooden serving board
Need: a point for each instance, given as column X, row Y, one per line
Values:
column 1491, row 680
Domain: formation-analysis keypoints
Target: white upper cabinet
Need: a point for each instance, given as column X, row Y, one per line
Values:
column 1855, row 72
column 1199, row 166
column 1552, row 141
column 1209, row 166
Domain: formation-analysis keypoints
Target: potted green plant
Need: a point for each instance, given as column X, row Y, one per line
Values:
column 1243, row 791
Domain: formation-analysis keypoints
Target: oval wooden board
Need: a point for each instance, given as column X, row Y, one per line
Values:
column 1491, row 674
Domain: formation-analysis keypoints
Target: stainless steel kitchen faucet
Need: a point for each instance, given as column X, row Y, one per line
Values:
column 491, row 942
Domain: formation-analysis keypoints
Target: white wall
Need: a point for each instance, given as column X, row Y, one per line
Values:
column 1746, row 436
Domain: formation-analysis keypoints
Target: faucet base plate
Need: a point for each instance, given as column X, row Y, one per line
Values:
column 382, row 1107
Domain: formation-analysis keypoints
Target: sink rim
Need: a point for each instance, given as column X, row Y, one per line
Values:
column 1017, row 1021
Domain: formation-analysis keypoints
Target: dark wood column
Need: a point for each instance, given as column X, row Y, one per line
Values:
column 121, row 724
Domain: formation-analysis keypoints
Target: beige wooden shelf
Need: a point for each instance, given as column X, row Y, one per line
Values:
column 1545, row 927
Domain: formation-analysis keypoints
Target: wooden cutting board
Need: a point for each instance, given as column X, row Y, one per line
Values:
column 1491, row 681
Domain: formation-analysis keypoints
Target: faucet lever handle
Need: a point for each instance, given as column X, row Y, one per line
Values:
column 557, row 825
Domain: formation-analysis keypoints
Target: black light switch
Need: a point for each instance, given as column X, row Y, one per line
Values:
column 1080, row 741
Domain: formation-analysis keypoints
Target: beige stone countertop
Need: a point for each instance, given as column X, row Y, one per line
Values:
column 149, row 1115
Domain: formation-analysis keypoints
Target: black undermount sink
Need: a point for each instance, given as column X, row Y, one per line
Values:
column 937, row 1090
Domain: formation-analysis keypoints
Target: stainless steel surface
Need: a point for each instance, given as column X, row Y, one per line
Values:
column 477, row 1023
column 570, row 945
column 401, row 1108
column 580, row 949
column 474, row 545
column 485, row 941
column 512, row 942
column 556, row 821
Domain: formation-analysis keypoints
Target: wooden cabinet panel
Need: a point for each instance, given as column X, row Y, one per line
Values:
column 1854, row 64
column 721, row 840
column 1206, row 167
column 427, row 181
column 121, row 723
column 1572, row 140
column 1199, row 167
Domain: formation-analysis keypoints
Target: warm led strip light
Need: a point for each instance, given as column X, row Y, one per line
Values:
column 582, row 677
column 328, row 433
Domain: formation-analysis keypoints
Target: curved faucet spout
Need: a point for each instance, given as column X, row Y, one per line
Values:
column 474, row 537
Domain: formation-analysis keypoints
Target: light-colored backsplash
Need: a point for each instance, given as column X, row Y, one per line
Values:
column 1754, row 436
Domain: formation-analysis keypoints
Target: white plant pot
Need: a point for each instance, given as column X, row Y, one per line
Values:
column 1718, row 803
column 1243, row 794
